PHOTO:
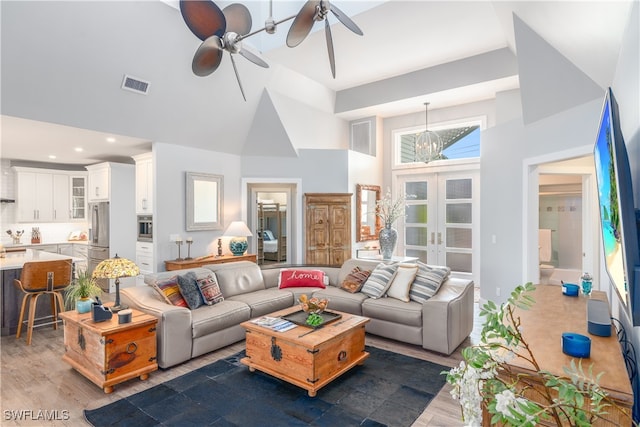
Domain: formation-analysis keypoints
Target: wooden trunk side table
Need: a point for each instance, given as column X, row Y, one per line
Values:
column 108, row 353
column 172, row 265
column 302, row 356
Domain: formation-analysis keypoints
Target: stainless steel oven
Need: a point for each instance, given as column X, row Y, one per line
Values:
column 145, row 228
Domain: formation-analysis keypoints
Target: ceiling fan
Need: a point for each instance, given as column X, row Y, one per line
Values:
column 315, row 11
column 224, row 29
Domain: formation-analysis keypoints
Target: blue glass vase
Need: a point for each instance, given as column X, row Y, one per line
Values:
column 387, row 238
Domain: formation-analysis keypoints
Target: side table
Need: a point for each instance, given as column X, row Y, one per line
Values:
column 108, row 353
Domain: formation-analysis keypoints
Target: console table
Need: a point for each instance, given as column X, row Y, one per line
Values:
column 542, row 327
column 206, row 260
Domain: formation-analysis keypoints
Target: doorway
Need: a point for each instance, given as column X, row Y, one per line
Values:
column 271, row 215
column 561, row 199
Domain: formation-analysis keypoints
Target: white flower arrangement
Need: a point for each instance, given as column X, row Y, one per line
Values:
column 390, row 210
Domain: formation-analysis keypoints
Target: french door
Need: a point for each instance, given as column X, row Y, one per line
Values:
column 441, row 226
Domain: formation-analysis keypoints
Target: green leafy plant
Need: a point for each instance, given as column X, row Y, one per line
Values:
column 485, row 379
column 314, row 319
column 81, row 287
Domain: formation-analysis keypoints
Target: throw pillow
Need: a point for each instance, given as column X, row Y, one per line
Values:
column 379, row 280
column 188, row 285
column 210, row 290
column 170, row 292
column 301, row 279
column 354, row 281
column 402, row 281
column 427, row 282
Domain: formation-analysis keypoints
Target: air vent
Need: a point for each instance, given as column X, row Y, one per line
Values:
column 363, row 136
column 135, row 84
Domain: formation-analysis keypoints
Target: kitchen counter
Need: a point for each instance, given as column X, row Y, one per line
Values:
column 19, row 246
column 11, row 296
column 15, row 260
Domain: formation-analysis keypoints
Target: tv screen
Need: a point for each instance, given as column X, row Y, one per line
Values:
column 617, row 212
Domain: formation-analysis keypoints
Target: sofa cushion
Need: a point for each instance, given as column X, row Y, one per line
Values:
column 427, row 282
column 342, row 300
column 402, row 281
column 169, row 290
column 212, row 318
column 393, row 310
column 301, row 278
column 347, row 267
column 210, row 290
column 354, row 281
column 265, row 301
column 379, row 280
column 237, row 278
column 189, row 290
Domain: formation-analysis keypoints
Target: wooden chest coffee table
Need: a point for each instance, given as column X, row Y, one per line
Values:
column 306, row 357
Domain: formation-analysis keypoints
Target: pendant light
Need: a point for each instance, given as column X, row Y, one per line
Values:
column 428, row 144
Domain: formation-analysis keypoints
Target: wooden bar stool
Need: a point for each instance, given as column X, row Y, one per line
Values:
column 39, row 278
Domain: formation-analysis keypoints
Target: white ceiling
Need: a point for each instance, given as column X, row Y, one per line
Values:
column 399, row 37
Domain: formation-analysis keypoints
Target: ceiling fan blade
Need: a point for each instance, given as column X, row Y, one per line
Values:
column 301, row 26
column 203, row 18
column 253, row 57
column 235, row 68
column 342, row 17
column 208, row 56
column 332, row 59
column 238, row 18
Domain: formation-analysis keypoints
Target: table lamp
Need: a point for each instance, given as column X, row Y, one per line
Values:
column 115, row 268
column 238, row 231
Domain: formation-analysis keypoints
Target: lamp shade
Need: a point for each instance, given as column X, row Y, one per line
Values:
column 238, row 229
column 114, row 268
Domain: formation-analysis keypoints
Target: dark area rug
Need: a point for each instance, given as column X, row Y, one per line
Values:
column 390, row 389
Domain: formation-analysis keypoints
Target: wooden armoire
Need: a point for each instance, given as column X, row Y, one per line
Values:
column 328, row 228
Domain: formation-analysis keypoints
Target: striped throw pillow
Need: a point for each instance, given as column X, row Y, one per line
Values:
column 170, row 292
column 379, row 280
column 427, row 282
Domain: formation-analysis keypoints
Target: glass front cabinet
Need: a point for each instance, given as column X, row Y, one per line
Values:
column 78, row 197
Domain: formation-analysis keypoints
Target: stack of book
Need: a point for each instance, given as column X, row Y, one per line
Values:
column 274, row 323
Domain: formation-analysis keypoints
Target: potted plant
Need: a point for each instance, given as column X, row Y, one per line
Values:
column 80, row 291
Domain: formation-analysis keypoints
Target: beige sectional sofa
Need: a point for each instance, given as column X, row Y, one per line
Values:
column 440, row 324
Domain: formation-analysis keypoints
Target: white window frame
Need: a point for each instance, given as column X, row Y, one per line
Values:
column 397, row 133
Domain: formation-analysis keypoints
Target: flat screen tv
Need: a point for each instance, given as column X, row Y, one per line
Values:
column 617, row 212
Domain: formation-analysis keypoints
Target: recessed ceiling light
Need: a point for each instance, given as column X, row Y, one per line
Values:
column 52, row 156
column 78, row 149
column 111, row 139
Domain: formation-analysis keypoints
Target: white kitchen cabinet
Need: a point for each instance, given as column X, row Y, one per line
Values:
column 144, row 260
column 99, row 178
column 61, row 199
column 35, row 196
column 44, row 195
column 144, row 183
column 78, row 197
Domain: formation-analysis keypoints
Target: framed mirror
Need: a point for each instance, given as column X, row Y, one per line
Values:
column 204, row 201
column 368, row 224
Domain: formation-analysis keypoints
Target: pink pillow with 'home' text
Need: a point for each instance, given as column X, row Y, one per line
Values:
column 301, row 279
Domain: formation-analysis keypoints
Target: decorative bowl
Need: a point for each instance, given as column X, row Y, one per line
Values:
column 313, row 305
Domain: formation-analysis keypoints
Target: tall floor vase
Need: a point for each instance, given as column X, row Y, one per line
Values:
column 387, row 237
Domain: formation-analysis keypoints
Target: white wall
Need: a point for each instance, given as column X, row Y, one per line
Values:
column 171, row 164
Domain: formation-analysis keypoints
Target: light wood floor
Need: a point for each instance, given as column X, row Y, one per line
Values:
column 34, row 378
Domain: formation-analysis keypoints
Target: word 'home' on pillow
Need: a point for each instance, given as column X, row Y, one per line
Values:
column 294, row 278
